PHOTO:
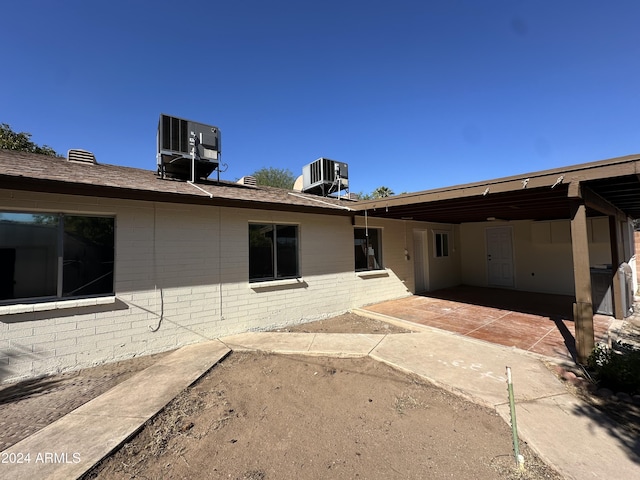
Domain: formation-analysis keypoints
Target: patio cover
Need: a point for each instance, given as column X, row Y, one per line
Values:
column 608, row 187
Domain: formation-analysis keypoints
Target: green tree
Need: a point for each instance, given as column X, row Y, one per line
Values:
column 10, row 140
column 364, row 196
column 274, row 177
column 382, row 192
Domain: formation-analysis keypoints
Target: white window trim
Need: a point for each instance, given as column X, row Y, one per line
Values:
column 380, row 253
column 57, row 305
column 372, row 273
column 257, row 283
column 299, row 281
column 61, row 302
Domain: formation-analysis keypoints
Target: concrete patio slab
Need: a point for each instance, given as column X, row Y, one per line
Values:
column 534, row 322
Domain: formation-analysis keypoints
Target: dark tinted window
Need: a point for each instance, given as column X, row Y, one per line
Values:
column 367, row 248
column 273, row 252
column 44, row 255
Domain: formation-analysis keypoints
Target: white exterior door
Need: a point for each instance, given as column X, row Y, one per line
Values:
column 499, row 257
column 419, row 261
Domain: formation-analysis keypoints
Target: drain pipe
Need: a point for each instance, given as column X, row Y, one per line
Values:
column 200, row 188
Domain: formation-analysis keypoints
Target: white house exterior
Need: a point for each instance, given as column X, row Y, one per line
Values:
column 181, row 275
column 186, row 266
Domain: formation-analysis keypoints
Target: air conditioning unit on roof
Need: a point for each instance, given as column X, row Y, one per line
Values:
column 324, row 177
column 187, row 149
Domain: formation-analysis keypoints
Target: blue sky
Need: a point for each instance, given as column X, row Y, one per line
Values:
column 412, row 95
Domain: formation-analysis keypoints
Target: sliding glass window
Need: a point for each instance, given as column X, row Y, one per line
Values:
column 273, row 252
column 44, row 256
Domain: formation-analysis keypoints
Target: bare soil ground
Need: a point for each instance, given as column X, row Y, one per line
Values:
column 258, row 416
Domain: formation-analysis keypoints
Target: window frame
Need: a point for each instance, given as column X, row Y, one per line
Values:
column 275, row 252
column 378, row 247
column 59, row 257
column 441, row 249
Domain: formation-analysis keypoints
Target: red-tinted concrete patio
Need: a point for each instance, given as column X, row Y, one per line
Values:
column 535, row 322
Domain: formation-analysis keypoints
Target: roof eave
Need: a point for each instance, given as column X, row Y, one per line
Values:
column 614, row 167
column 103, row 191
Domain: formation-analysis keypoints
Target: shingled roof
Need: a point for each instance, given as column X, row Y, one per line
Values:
column 610, row 187
column 32, row 172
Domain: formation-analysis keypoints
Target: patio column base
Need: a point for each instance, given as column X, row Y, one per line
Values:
column 583, row 322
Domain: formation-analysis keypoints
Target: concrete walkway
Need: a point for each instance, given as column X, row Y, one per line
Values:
column 72, row 445
column 568, row 434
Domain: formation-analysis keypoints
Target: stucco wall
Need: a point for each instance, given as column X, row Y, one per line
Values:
column 181, row 276
column 440, row 272
column 444, row 272
column 543, row 260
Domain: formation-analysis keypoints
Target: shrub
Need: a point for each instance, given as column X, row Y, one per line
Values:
column 616, row 370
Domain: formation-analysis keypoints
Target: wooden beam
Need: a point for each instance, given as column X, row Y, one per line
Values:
column 575, row 190
column 616, row 167
column 583, row 307
column 595, row 201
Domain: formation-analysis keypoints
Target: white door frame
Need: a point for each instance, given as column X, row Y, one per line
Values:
column 420, row 260
column 499, row 251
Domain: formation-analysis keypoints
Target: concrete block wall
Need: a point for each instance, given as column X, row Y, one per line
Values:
column 181, row 276
column 329, row 285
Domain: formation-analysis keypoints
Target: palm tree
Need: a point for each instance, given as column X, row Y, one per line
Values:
column 382, row 192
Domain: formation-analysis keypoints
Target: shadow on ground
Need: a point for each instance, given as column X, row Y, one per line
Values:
column 552, row 306
column 26, row 389
column 621, row 421
column 6, row 357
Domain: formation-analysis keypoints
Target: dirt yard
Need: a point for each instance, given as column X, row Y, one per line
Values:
column 258, row 416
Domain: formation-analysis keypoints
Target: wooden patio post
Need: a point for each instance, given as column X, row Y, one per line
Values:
column 583, row 307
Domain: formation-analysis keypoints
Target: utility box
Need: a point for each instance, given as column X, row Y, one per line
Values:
column 601, row 291
column 625, row 277
column 187, row 149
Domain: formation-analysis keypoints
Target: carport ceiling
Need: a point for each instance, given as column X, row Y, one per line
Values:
column 536, row 196
column 623, row 192
column 532, row 204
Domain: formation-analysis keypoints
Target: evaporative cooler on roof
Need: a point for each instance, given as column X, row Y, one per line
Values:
column 186, row 149
column 325, row 177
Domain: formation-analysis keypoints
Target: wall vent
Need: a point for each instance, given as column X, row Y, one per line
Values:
column 248, row 180
column 82, row 156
